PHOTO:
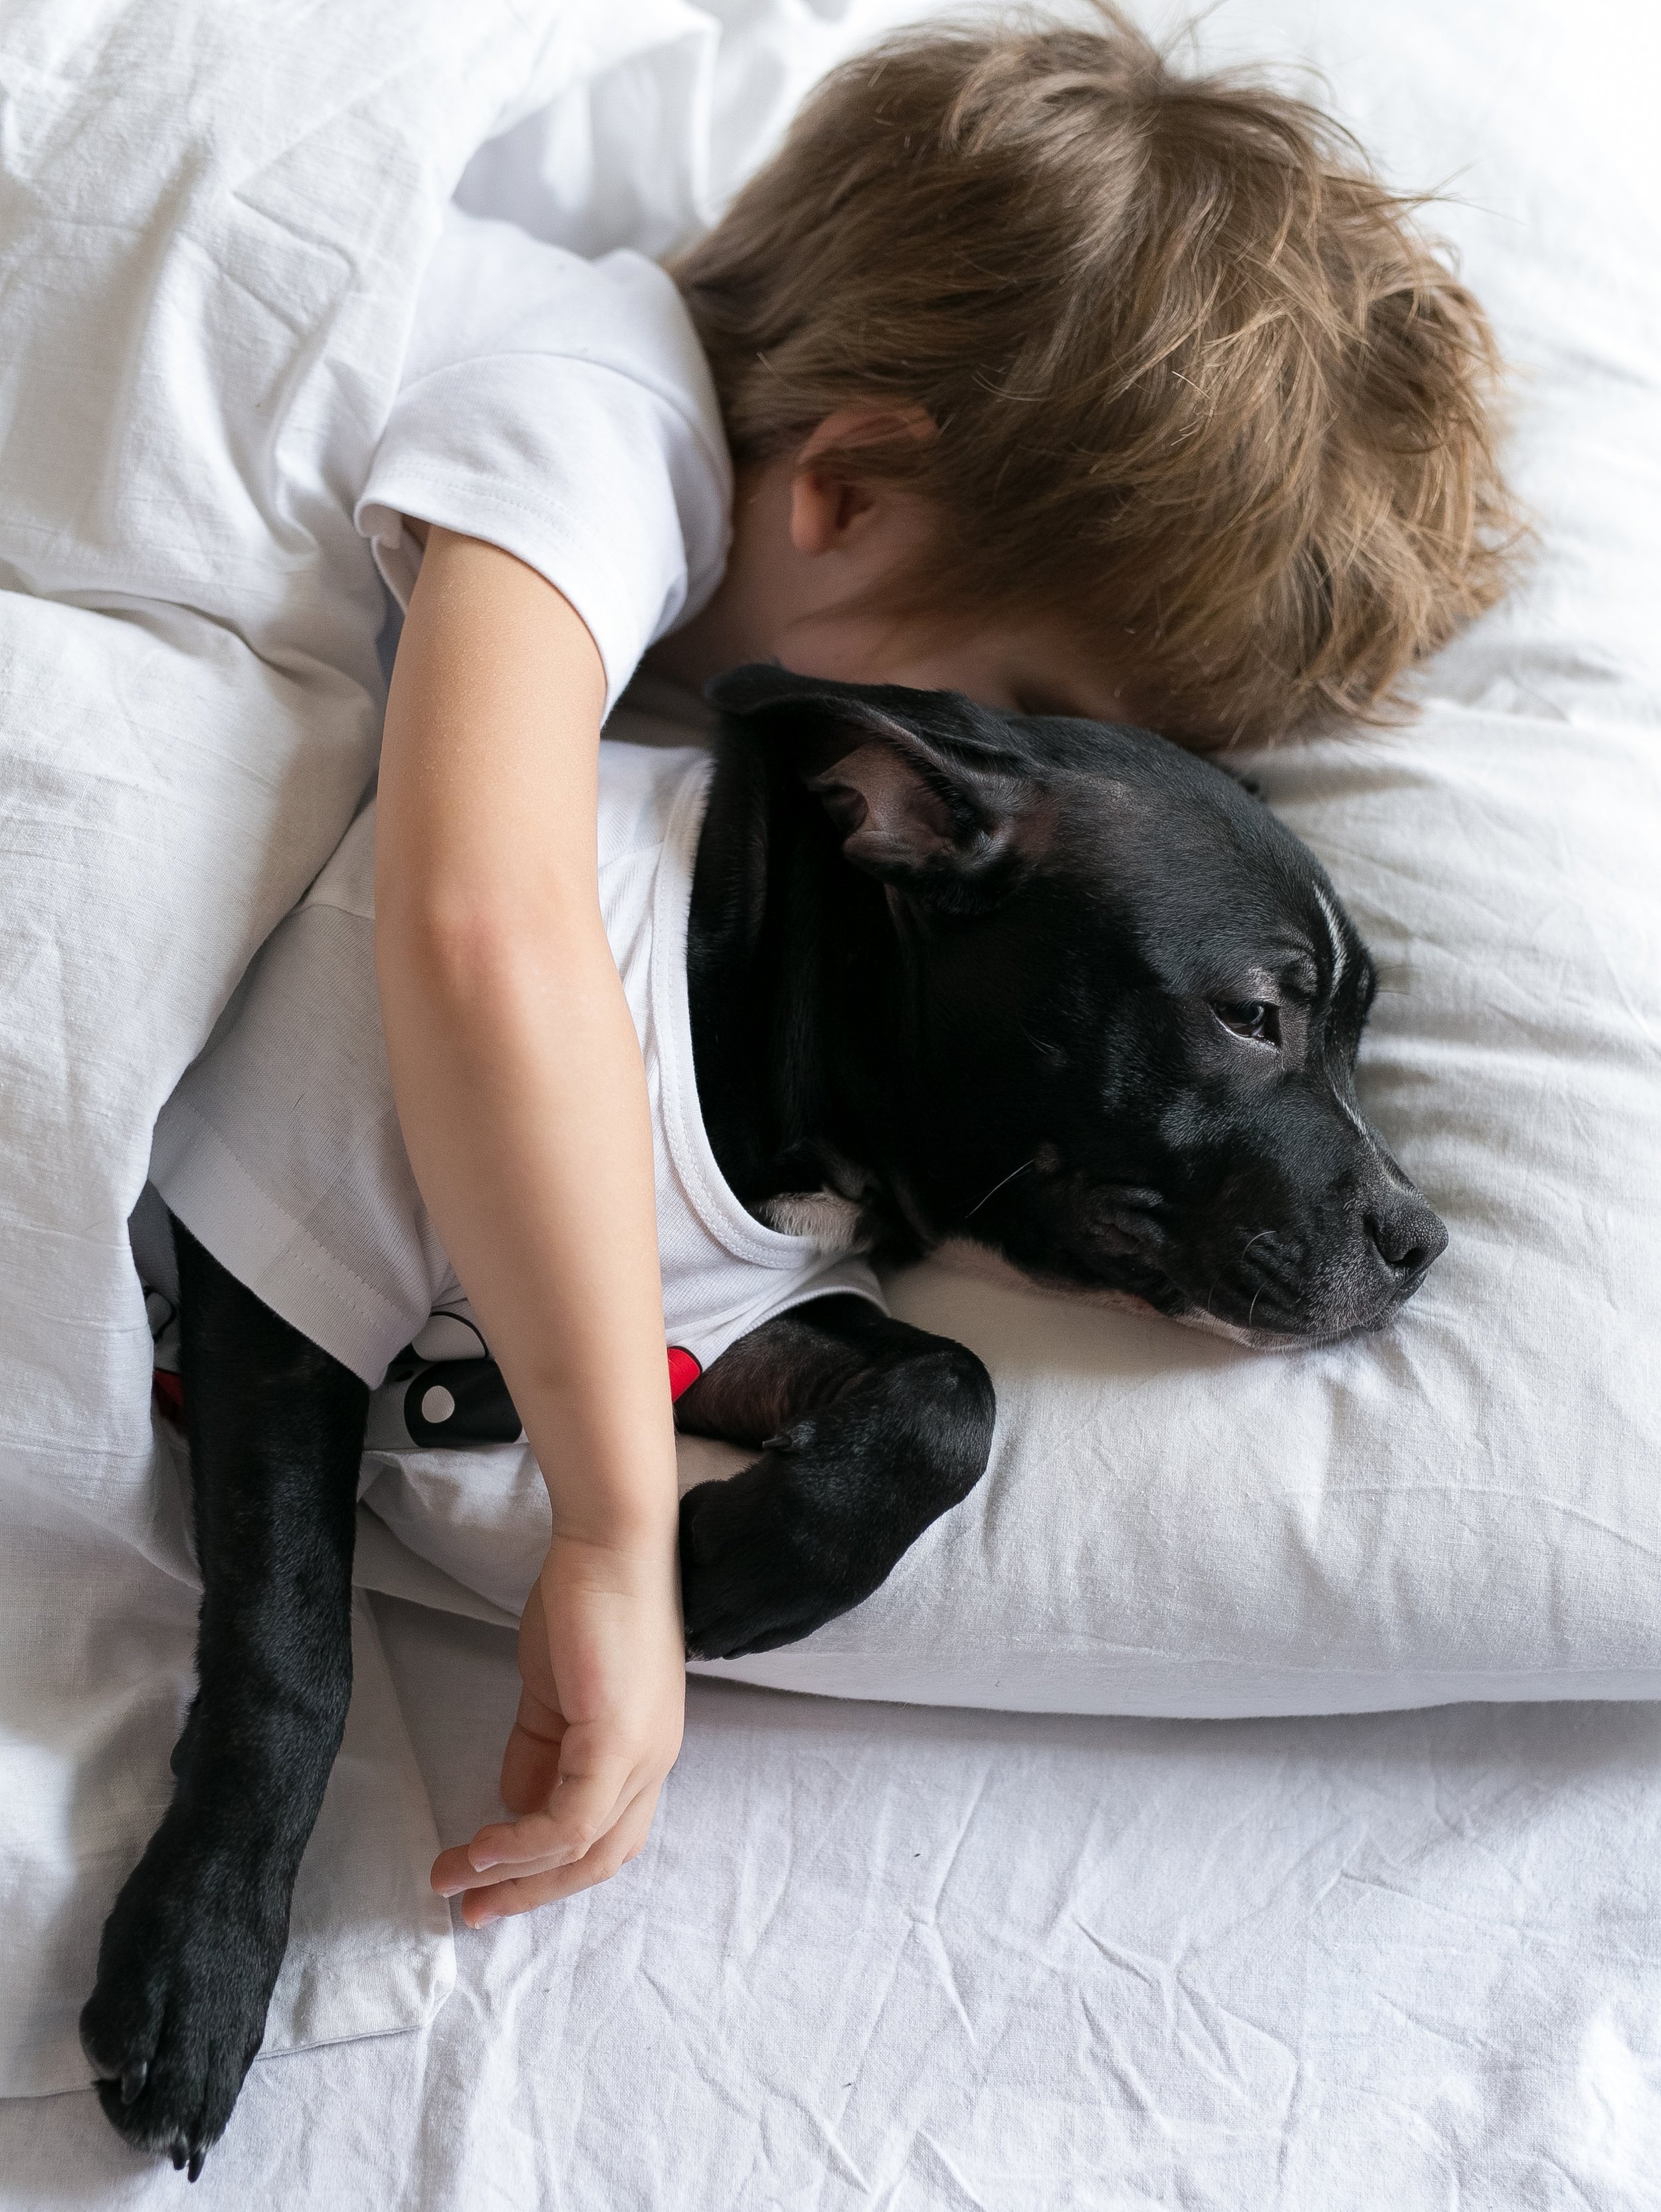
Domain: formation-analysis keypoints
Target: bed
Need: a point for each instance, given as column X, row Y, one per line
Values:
column 1113, row 1882
column 880, row 1955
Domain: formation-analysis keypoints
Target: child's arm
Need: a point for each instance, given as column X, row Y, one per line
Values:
column 522, row 1103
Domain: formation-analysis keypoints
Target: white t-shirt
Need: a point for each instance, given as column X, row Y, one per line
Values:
column 280, row 1150
column 562, row 410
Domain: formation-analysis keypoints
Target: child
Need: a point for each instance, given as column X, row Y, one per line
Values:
column 1049, row 377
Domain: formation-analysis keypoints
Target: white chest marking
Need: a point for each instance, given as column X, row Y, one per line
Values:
column 825, row 1217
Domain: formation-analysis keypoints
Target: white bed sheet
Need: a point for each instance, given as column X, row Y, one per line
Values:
column 873, row 1955
column 880, row 1956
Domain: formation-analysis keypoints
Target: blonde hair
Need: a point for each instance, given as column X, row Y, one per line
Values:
column 1205, row 398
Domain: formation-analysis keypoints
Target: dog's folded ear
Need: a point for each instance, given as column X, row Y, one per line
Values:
column 922, row 786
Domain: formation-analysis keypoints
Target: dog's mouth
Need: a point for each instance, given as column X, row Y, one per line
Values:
column 1154, row 1291
column 1257, row 1287
column 1270, row 1288
column 1149, row 1293
column 1273, row 1295
column 1255, row 1326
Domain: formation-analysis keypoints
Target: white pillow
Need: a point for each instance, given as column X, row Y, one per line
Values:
column 1468, row 1505
column 1465, row 1506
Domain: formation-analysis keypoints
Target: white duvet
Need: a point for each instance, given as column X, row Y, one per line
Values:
column 211, row 229
column 213, row 224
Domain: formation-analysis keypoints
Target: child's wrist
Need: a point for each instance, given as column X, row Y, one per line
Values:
column 634, row 1552
column 613, row 1491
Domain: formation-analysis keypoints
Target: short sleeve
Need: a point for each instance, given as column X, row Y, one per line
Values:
column 562, row 410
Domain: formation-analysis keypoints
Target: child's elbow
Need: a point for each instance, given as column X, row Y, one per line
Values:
column 470, row 950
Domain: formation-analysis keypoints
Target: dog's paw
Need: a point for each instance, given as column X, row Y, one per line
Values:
column 185, row 1971
column 756, row 1568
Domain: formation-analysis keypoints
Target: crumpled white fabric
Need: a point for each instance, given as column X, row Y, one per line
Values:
column 876, row 1956
column 213, row 225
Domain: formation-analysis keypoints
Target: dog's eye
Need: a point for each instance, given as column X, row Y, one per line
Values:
column 1250, row 1018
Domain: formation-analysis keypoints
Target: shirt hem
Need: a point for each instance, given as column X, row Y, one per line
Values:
column 270, row 1253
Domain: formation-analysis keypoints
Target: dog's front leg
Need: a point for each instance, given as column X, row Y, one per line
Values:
column 869, row 1430
column 191, row 1949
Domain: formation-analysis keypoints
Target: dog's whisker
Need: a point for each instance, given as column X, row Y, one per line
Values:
column 998, row 1187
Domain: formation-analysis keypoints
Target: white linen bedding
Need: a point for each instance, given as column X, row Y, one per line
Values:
column 876, row 1956
column 187, row 679
column 213, row 226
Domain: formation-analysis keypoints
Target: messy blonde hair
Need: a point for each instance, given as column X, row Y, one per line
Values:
column 1203, row 395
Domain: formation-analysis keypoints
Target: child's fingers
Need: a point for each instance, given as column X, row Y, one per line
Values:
column 578, row 1812
column 561, row 1816
column 454, row 1870
column 525, row 1889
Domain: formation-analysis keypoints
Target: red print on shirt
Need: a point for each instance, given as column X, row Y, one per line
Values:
column 683, row 1370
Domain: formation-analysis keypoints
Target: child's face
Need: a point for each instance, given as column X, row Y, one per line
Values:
column 809, row 550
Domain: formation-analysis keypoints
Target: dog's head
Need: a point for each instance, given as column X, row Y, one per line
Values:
column 1130, row 1003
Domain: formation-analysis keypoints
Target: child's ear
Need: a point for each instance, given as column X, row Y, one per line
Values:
column 828, row 502
column 826, row 510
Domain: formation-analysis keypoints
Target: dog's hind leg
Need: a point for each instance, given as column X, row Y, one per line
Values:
column 190, row 1951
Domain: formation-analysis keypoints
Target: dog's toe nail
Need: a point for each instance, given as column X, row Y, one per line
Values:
column 199, row 2155
column 134, row 2078
column 178, row 2153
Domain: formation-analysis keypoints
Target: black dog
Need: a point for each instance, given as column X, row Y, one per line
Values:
column 1062, row 989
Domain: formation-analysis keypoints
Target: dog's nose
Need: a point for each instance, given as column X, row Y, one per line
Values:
column 1406, row 1236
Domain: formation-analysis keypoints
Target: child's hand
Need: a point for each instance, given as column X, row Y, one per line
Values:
column 598, row 1727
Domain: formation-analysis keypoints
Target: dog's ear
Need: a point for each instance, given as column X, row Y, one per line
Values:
column 923, row 786
column 912, row 817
